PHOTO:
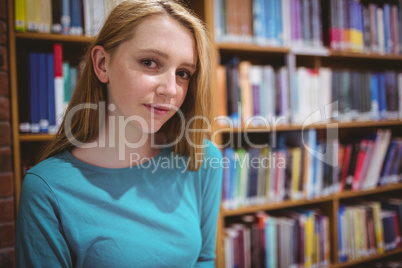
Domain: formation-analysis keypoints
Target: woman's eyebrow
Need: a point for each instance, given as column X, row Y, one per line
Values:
column 164, row 55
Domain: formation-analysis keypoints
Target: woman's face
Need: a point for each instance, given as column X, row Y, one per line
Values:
column 148, row 75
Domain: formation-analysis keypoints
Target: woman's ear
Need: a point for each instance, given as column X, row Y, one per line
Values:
column 99, row 56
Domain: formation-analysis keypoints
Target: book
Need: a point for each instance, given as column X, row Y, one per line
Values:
column 66, row 16
column 51, row 94
column 34, row 70
column 32, row 15
column 76, row 19
column 20, row 15
column 45, row 16
column 43, row 94
column 56, row 16
column 58, row 82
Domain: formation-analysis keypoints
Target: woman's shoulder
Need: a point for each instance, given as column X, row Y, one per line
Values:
column 56, row 165
column 211, row 150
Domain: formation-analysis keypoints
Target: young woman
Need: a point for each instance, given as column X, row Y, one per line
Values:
column 130, row 179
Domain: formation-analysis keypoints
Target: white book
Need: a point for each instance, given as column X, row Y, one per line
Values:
column 88, row 17
column 59, row 99
column 255, row 78
column 269, row 87
column 286, row 22
column 380, row 30
column 325, row 100
column 285, row 94
column 379, row 151
column 99, row 15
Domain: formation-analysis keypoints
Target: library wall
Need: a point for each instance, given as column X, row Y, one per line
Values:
column 7, row 218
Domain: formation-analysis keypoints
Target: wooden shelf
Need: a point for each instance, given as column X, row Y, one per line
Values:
column 377, row 190
column 330, row 124
column 250, row 48
column 368, row 259
column 292, row 203
column 332, row 53
column 274, row 206
column 344, row 54
column 35, row 137
column 54, row 37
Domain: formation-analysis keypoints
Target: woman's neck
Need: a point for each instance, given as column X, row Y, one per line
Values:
column 118, row 146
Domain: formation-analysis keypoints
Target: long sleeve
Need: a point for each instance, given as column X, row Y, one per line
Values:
column 210, row 207
column 40, row 241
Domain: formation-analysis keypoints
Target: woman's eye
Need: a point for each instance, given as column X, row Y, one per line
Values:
column 149, row 63
column 184, row 75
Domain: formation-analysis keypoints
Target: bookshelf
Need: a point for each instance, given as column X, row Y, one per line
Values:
column 25, row 144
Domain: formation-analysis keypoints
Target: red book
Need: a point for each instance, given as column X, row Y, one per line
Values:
column 345, row 166
column 58, row 60
column 359, row 165
column 397, row 231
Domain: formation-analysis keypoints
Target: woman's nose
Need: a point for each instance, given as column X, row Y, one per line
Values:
column 167, row 85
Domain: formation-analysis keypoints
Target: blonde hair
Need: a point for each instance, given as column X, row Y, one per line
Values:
column 119, row 27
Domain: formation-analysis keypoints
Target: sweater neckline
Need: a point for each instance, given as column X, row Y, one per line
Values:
column 145, row 165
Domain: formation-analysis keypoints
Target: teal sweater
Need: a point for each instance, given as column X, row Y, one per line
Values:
column 157, row 214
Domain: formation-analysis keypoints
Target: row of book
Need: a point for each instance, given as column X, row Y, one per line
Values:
column 303, row 166
column 369, row 228
column 250, row 93
column 74, row 17
column 297, row 238
column 269, row 22
column 51, row 82
column 308, row 25
column 365, row 27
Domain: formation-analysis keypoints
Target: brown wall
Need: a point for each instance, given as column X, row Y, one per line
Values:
column 7, row 216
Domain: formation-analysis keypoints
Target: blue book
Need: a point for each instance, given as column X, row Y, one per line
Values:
column 34, row 91
column 270, row 22
column 51, row 100
column 217, row 20
column 258, row 21
column 278, row 22
column 65, row 16
column 397, row 165
column 375, row 113
column 228, row 178
column 43, row 94
column 388, row 161
column 387, row 29
column 382, row 99
column 360, row 23
column 271, row 242
column 341, row 242
column 76, row 19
